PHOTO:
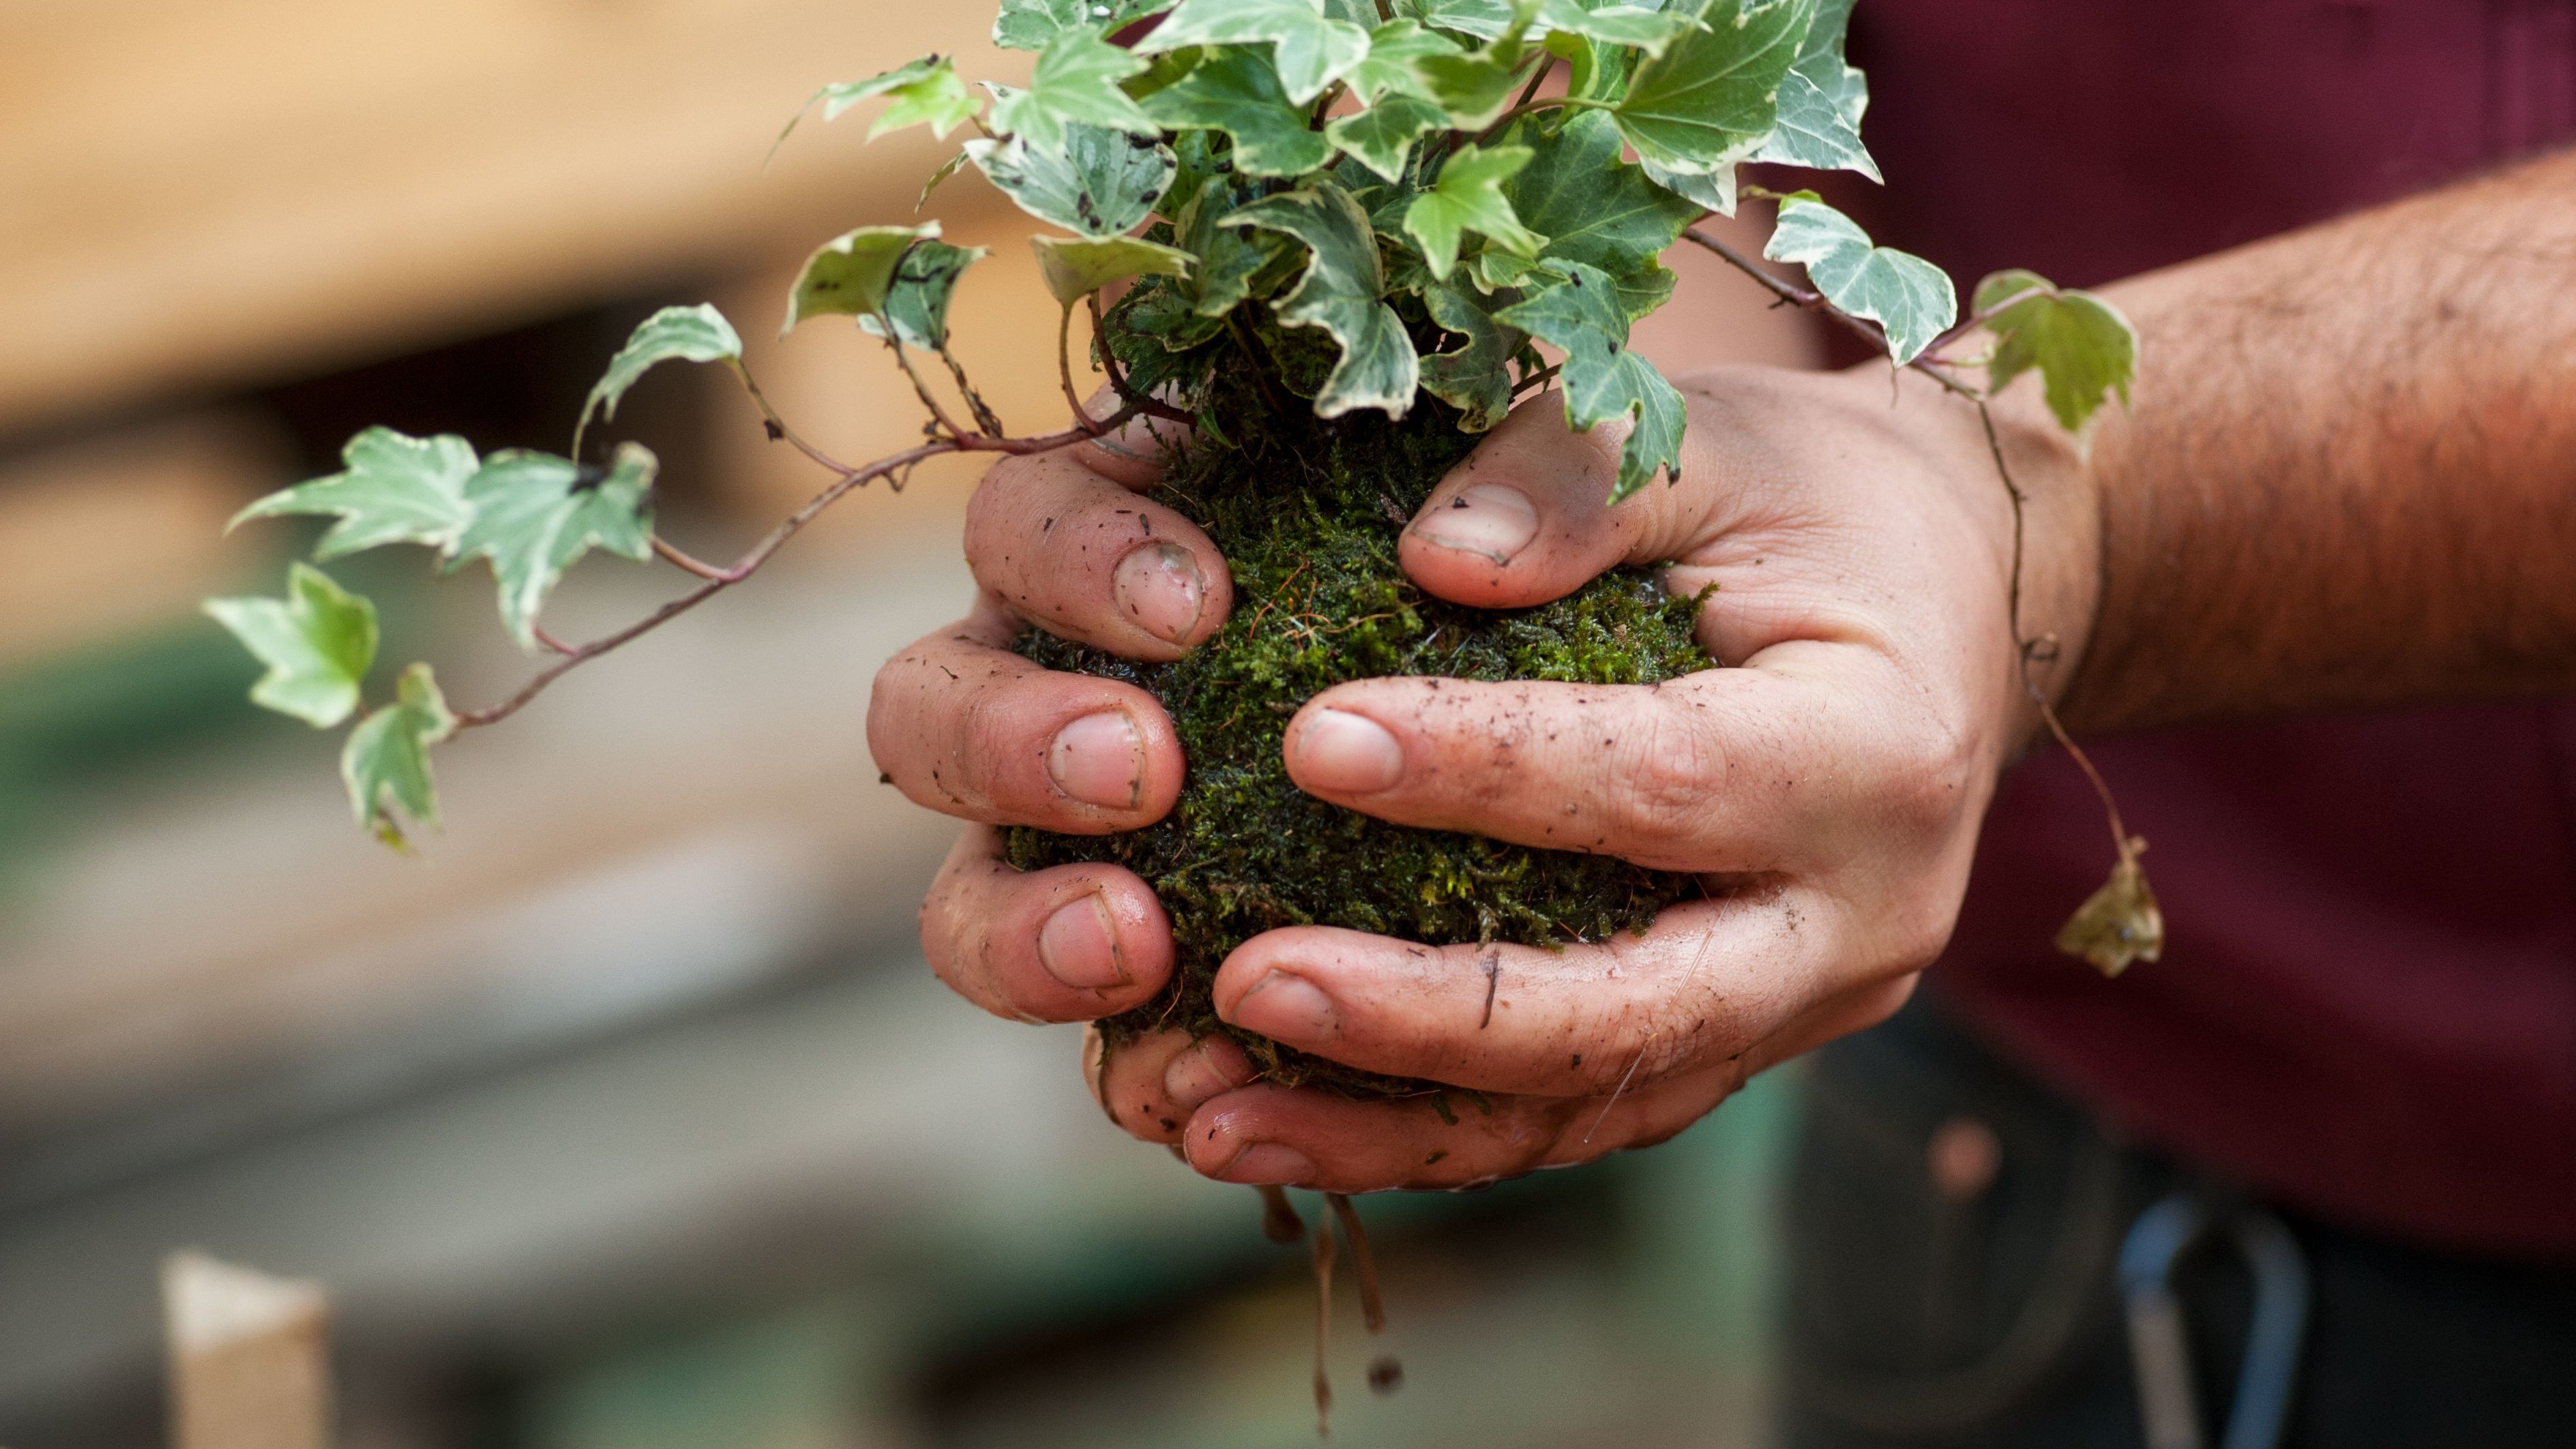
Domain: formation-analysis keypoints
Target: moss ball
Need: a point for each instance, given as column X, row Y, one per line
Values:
column 1308, row 513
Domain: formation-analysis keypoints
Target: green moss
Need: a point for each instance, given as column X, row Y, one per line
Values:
column 1308, row 513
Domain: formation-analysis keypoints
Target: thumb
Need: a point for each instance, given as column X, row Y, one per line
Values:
column 1134, row 454
column 1526, row 518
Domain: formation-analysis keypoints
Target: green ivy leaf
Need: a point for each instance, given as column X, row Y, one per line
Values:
column 1310, row 51
column 1645, row 292
column 1602, row 377
column 318, row 643
column 1075, row 82
column 851, row 274
column 1821, row 101
column 1481, row 19
column 1031, row 24
column 1388, row 68
column 386, row 762
column 1469, row 197
column 925, row 92
column 1474, row 89
column 1632, row 27
column 394, row 489
column 1235, row 92
column 1710, row 98
column 1471, row 377
column 2086, row 352
column 535, row 515
column 917, row 301
column 686, row 334
column 1594, row 208
column 1340, row 292
column 1228, row 258
column 1381, row 137
column 1075, row 267
column 1909, row 298
column 1099, row 182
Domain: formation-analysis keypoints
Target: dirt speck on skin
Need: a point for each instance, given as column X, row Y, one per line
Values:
column 1299, row 507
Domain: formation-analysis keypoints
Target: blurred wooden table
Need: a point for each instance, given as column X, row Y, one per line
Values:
column 202, row 196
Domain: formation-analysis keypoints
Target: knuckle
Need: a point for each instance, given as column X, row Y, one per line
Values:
column 1667, row 768
column 1928, row 783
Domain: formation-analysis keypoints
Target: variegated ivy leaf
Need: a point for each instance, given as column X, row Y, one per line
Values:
column 947, row 168
column 925, row 92
column 1471, row 377
column 1235, row 92
column 1075, row 81
column 386, row 762
column 535, row 515
column 851, row 274
column 1910, row 299
column 1712, row 96
column 393, row 489
column 1099, row 182
column 2086, row 352
column 1603, row 377
column 1468, row 196
column 1381, row 138
column 686, row 334
column 917, row 301
column 1821, row 101
column 1310, row 51
column 1339, row 292
column 318, row 643
column 1714, row 191
column 1076, row 267
column 1481, row 19
column 1592, row 207
column 1634, row 27
column 1031, row 24
column 1387, row 69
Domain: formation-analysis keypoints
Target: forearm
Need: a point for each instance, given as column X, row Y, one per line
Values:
column 2350, row 474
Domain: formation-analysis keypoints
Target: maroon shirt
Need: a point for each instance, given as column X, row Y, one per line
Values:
column 2367, row 1007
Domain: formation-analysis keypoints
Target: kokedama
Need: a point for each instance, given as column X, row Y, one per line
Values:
column 1329, row 242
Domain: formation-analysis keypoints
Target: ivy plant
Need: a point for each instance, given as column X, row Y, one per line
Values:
column 1465, row 200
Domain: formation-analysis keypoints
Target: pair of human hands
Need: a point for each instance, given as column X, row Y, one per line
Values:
column 1827, row 783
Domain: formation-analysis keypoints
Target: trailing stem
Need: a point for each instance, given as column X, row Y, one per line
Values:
column 717, row 579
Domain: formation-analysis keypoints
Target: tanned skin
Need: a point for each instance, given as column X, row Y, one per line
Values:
column 2349, row 479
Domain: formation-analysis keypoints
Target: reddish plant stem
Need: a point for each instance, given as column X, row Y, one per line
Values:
column 717, row 580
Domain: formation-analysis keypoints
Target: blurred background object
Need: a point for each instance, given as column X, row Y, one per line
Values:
column 625, row 1116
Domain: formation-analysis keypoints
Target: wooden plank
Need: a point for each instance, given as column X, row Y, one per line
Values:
column 202, row 197
column 249, row 1357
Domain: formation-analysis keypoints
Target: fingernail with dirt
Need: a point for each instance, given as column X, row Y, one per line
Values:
column 1286, row 1008
column 1079, row 947
column 1269, row 1163
column 1195, row 1077
column 1099, row 760
column 1487, row 519
column 1347, row 754
column 1158, row 587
